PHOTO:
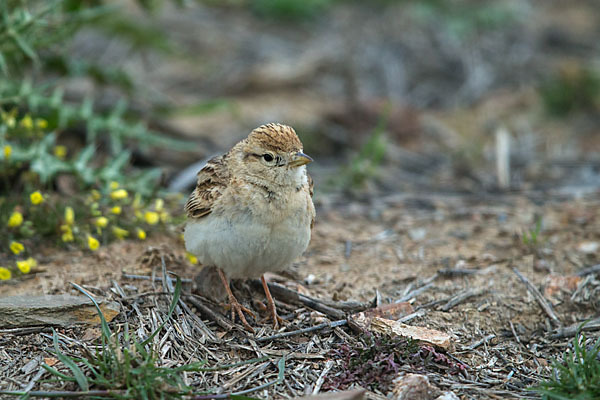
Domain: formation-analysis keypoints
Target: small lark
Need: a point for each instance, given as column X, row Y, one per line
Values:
column 252, row 210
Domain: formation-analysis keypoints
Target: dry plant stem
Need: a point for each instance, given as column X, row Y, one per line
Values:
column 235, row 305
column 459, row 298
column 570, row 331
column 210, row 313
column 288, row 295
column 156, row 279
column 588, row 271
column 301, row 331
column 538, row 296
column 271, row 304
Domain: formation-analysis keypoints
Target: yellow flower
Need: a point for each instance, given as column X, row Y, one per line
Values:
column 4, row 274
column 95, row 194
column 141, row 234
column 192, row 258
column 101, row 222
column 24, row 266
column 36, row 197
column 119, row 194
column 27, row 122
column 32, row 262
column 69, row 216
column 16, row 247
column 116, row 210
column 160, row 203
column 68, row 236
column 41, row 123
column 93, row 243
column 151, row 217
column 164, row 216
column 119, row 232
column 7, row 151
column 60, row 151
column 114, row 185
column 11, row 122
column 16, row 219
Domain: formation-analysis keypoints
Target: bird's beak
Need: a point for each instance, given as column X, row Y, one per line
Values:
column 299, row 159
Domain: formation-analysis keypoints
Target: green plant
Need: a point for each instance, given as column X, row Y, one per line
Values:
column 34, row 48
column 577, row 377
column 573, row 88
column 365, row 165
column 531, row 238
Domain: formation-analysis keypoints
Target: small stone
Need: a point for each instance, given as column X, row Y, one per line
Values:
column 310, row 279
column 417, row 234
column 414, row 387
column 588, row 247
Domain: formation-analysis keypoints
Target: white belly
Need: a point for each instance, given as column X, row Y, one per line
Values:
column 245, row 247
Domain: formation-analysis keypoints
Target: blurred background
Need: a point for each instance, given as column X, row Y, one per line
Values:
column 389, row 97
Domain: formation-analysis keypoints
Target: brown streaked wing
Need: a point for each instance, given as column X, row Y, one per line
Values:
column 212, row 181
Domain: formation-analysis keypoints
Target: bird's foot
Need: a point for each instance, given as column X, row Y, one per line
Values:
column 273, row 315
column 237, row 308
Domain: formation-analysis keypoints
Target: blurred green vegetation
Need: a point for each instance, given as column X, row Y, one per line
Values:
column 570, row 89
column 50, row 143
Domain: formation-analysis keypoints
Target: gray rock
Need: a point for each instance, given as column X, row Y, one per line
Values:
column 55, row 310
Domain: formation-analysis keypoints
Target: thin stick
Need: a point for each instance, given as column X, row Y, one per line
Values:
column 148, row 278
column 572, row 330
column 459, row 298
column 321, row 379
column 588, row 271
column 304, row 330
column 538, row 296
column 414, row 293
column 514, row 332
column 289, row 295
column 41, row 393
column 222, row 322
column 481, row 341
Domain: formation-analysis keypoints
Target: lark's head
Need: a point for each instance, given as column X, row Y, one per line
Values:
column 273, row 152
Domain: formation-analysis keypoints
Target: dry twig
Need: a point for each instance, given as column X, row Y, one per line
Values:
column 538, row 296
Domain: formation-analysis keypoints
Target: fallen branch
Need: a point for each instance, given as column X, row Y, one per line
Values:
column 460, row 297
column 304, row 330
column 212, row 315
column 572, row 330
column 538, row 296
column 288, row 295
column 588, row 271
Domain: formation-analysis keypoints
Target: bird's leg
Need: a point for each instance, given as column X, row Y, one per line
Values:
column 235, row 305
column 271, row 304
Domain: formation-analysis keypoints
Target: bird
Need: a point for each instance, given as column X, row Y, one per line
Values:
column 252, row 211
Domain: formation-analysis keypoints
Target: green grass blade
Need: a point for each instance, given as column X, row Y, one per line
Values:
column 281, row 368
column 77, row 372
column 176, row 295
column 58, row 373
column 105, row 328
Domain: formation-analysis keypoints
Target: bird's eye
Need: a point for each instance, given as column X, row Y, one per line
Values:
column 267, row 157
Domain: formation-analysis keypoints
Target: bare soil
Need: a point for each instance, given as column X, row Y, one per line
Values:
column 386, row 248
